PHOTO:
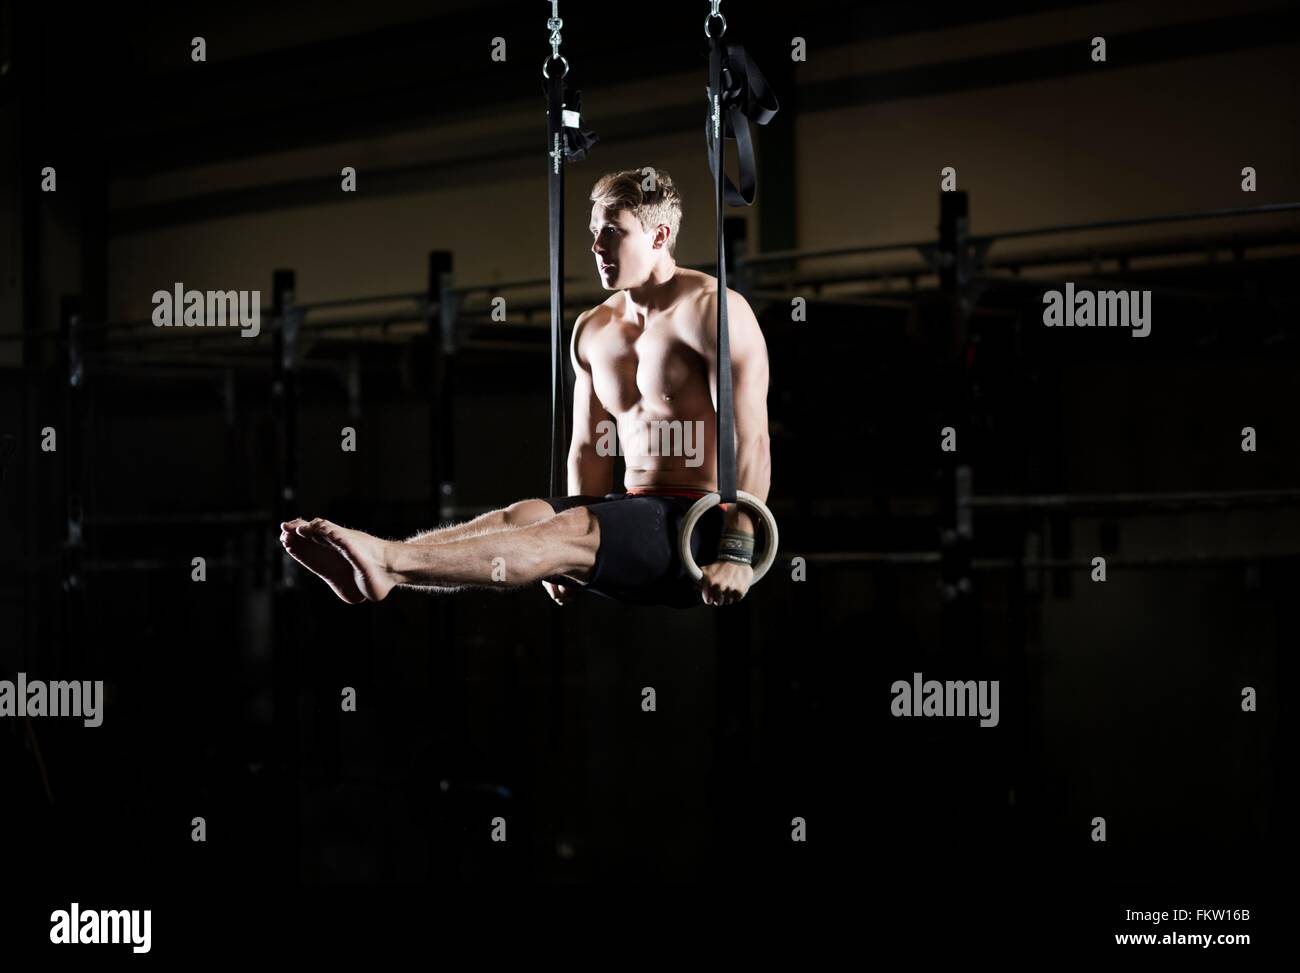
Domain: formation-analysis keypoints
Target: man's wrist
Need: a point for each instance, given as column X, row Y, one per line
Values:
column 736, row 546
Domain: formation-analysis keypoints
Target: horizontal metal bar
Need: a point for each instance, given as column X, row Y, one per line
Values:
column 932, row 559
column 44, row 567
column 118, row 325
column 18, row 337
column 892, row 559
column 900, row 558
column 509, row 285
column 1210, row 214
column 354, row 301
column 1128, row 251
column 1089, row 281
column 173, row 367
column 532, row 348
column 1189, row 500
column 844, row 300
column 907, row 275
column 789, row 256
column 163, row 520
column 372, row 321
column 535, row 307
column 1151, row 501
column 1192, row 560
column 106, row 566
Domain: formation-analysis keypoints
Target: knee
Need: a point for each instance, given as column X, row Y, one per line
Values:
column 523, row 513
column 569, row 541
column 573, row 535
column 576, row 522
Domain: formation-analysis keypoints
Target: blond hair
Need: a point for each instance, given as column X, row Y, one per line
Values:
column 629, row 190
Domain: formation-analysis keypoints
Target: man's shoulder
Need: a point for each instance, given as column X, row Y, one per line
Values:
column 702, row 288
column 602, row 313
column 589, row 323
column 696, row 284
column 700, row 294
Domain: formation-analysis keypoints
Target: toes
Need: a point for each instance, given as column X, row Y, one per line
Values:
column 326, row 533
column 310, row 529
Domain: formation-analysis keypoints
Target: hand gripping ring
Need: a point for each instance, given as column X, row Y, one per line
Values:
column 707, row 503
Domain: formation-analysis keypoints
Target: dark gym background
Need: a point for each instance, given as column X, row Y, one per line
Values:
column 1119, row 700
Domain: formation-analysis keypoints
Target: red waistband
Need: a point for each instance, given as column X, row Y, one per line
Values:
column 665, row 492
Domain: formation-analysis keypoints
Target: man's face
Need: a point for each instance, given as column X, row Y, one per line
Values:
column 624, row 252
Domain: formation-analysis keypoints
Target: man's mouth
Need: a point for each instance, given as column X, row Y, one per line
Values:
column 606, row 268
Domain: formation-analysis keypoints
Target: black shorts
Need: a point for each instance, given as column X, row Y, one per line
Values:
column 637, row 561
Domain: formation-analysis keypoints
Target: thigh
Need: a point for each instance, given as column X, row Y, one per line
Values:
column 557, row 505
column 638, row 559
column 638, row 540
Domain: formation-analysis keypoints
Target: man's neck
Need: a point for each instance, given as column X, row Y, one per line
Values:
column 657, row 292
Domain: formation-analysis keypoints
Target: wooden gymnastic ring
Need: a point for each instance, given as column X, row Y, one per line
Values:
column 707, row 503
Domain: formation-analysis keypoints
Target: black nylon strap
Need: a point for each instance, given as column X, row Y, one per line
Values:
column 555, row 196
column 746, row 97
column 726, row 441
column 564, row 143
column 737, row 92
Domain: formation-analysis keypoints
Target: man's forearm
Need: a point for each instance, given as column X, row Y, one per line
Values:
column 590, row 474
column 753, row 475
column 738, row 520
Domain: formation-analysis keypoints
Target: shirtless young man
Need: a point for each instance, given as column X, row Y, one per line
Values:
column 645, row 364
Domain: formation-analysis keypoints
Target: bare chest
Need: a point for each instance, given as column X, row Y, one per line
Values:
column 656, row 367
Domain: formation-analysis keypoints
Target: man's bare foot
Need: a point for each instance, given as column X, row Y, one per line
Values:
column 367, row 555
column 321, row 558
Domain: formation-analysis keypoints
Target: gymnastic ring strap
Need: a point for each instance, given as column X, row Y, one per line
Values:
column 745, row 96
column 737, row 92
column 566, row 141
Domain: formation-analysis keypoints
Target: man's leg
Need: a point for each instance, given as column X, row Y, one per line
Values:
column 518, row 514
column 521, row 513
column 565, row 543
column 324, row 560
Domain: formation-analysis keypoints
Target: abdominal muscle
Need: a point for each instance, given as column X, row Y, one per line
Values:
column 668, row 449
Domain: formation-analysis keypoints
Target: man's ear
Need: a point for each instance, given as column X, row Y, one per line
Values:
column 662, row 234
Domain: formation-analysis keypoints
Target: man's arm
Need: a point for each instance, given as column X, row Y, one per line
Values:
column 589, row 472
column 749, row 379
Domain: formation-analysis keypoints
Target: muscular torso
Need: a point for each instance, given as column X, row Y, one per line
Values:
column 652, row 375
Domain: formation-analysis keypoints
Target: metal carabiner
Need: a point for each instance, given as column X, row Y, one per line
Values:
column 553, row 24
column 546, row 66
column 714, row 13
